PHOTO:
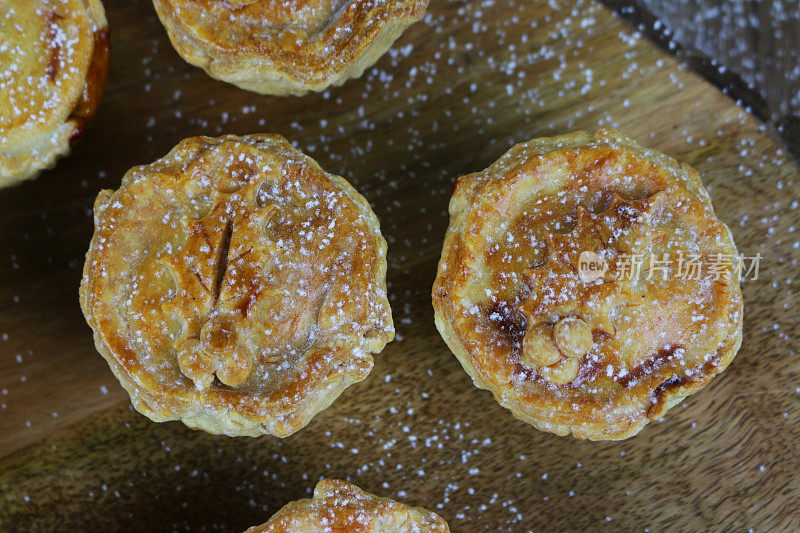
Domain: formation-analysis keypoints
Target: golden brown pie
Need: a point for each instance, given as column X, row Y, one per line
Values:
column 587, row 283
column 341, row 506
column 285, row 46
column 236, row 286
column 53, row 61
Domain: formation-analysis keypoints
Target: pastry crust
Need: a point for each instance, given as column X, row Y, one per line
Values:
column 341, row 506
column 236, row 286
column 594, row 353
column 285, row 47
column 53, row 63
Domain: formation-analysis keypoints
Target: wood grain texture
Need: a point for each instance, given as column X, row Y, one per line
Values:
column 457, row 90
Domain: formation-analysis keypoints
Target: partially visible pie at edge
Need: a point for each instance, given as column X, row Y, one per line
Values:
column 341, row 506
column 236, row 286
column 53, row 67
column 285, row 47
column 596, row 355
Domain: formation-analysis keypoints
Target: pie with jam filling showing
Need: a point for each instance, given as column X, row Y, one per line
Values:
column 593, row 351
column 53, row 63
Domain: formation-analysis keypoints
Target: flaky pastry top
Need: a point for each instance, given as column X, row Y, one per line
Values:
column 338, row 506
column 599, row 352
column 285, row 47
column 53, row 61
column 236, row 286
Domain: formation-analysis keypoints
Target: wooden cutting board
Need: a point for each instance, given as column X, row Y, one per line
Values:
column 456, row 91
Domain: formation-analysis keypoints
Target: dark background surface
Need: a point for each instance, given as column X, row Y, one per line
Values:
column 748, row 48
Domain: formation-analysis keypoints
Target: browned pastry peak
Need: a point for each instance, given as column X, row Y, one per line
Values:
column 219, row 276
